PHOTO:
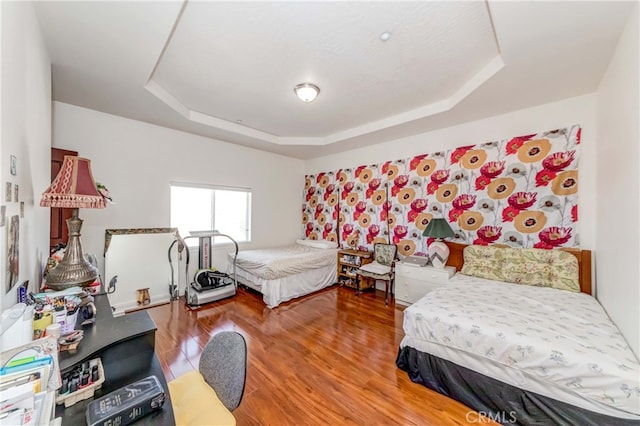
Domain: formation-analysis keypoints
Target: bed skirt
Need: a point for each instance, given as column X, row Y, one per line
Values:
column 499, row 401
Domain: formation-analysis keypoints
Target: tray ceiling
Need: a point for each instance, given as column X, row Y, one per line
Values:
column 227, row 69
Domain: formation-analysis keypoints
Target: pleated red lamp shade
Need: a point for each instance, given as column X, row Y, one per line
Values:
column 74, row 188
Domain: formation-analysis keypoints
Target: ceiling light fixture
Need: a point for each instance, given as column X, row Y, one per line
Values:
column 385, row 36
column 306, row 91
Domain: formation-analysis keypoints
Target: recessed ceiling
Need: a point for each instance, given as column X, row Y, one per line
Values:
column 227, row 69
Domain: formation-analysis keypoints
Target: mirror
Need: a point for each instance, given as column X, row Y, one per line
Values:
column 139, row 259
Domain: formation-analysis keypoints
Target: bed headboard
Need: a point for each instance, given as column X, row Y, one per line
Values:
column 584, row 263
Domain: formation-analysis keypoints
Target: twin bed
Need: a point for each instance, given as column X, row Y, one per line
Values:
column 284, row 273
column 524, row 353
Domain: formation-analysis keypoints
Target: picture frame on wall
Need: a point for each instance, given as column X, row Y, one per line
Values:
column 21, row 209
column 3, row 214
column 16, row 193
column 13, row 165
column 8, row 192
column 13, row 253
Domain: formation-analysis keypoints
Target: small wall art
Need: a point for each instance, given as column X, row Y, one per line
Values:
column 7, row 192
column 3, row 213
column 13, row 252
column 13, row 165
column 16, row 194
column 21, row 209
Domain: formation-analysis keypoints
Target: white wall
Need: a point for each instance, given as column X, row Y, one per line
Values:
column 578, row 110
column 25, row 133
column 137, row 161
column 618, row 189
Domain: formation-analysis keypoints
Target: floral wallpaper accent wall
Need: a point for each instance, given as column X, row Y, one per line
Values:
column 320, row 207
column 518, row 192
column 363, row 209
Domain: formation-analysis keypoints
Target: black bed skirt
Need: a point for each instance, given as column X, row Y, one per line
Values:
column 499, row 401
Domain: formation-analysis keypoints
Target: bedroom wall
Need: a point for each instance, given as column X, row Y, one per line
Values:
column 26, row 133
column 618, row 188
column 577, row 110
column 136, row 161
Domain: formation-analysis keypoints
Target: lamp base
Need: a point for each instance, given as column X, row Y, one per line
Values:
column 73, row 270
column 438, row 253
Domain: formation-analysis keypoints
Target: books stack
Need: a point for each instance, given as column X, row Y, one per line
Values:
column 29, row 376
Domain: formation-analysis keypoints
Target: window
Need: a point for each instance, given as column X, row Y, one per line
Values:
column 202, row 208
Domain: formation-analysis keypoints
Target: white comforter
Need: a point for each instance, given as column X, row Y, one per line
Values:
column 560, row 337
column 279, row 262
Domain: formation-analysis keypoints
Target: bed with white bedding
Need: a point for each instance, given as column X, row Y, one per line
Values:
column 526, row 354
column 284, row 273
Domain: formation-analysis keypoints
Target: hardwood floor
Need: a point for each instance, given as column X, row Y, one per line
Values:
column 327, row 358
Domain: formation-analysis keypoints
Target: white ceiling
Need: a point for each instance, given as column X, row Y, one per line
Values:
column 227, row 69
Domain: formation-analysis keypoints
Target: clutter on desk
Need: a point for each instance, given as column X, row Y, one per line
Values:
column 60, row 307
column 29, row 375
column 80, row 383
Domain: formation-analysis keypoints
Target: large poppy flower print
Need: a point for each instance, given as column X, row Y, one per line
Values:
column 555, row 236
column 426, row 167
column 348, row 187
column 470, row 220
column 574, row 213
column 413, row 163
column 509, row 213
column 323, row 180
column 440, row 176
column 501, row 188
column 432, row 188
column 392, row 171
column 543, row 177
column 489, row 234
column 558, row 161
column 378, row 197
column 405, row 247
column 446, row 193
column 566, row 183
column 454, row 215
column 342, row 177
column 492, row 169
column 473, row 159
column 458, row 153
column 464, row 202
column 364, row 175
column 352, row 199
column 422, row 220
column 522, row 200
column 534, row 150
column 482, row 182
column 307, row 183
column 419, row 205
column 529, row 222
column 406, row 195
column 514, row 144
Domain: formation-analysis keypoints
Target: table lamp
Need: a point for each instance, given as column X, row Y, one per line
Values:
column 438, row 251
column 73, row 188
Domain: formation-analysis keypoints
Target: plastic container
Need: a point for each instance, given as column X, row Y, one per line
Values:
column 86, row 392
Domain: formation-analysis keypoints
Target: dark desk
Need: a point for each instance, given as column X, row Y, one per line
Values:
column 125, row 345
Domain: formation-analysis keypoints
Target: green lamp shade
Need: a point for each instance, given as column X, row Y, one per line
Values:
column 438, row 228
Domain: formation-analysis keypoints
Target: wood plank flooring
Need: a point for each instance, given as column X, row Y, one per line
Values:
column 324, row 359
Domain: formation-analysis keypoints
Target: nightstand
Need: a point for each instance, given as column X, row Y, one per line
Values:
column 413, row 282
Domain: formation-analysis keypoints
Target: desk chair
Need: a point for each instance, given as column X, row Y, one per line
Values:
column 207, row 396
column 382, row 268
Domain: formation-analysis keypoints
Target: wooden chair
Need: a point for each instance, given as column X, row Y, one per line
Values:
column 382, row 268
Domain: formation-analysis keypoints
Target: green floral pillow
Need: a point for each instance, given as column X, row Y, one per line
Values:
column 537, row 267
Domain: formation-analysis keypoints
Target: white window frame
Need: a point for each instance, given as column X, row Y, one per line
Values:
column 220, row 240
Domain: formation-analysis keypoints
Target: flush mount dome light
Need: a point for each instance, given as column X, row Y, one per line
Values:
column 306, row 91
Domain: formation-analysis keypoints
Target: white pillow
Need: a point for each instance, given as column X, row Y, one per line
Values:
column 321, row 244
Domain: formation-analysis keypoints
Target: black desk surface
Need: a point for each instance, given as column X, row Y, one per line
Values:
column 125, row 345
